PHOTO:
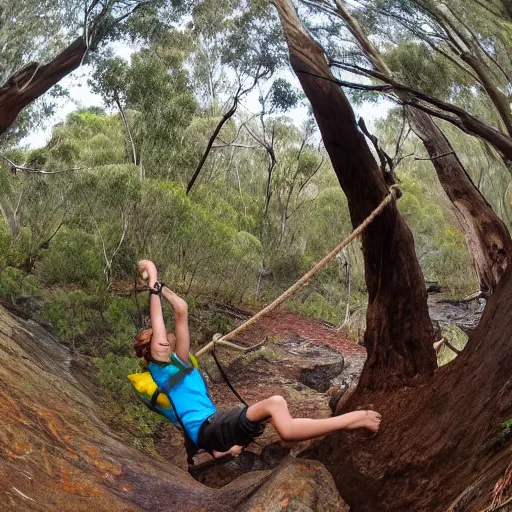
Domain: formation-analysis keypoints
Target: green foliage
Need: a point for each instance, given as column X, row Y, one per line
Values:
column 418, row 66
column 15, row 283
column 450, row 264
column 5, row 244
column 72, row 314
column 121, row 319
column 283, row 96
column 505, row 431
column 89, row 137
column 316, row 306
column 111, row 376
column 440, row 246
column 73, row 257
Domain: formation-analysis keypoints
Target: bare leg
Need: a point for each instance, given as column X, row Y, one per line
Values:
column 300, row 429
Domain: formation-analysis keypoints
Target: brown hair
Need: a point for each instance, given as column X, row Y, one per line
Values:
column 142, row 344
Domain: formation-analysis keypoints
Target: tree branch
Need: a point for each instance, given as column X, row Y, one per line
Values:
column 218, row 128
column 460, row 118
column 16, row 167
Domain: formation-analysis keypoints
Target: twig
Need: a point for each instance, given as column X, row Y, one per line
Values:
column 15, row 167
column 23, row 495
column 499, row 507
column 436, row 157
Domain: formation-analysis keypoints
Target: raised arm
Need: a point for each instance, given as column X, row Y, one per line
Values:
column 180, row 323
column 155, row 306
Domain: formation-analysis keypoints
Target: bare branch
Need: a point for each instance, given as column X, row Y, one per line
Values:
column 16, row 167
column 451, row 113
column 218, row 128
column 436, row 157
column 235, row 145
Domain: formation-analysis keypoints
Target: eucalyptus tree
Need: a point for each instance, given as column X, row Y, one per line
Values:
column 237, row 50
column 66, row 32
column 488, row 239
column 156, row 104
column 20, row 25
column 446, row 419
column 480, row 52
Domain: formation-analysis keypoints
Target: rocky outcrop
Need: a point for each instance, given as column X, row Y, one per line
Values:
column 299, row 486
column 321, row 364
column 57, row 455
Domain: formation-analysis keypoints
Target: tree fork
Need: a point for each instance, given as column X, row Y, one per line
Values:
column 399, row 336
column 439, row 446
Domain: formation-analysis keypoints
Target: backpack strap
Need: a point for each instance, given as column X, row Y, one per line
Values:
column 190, row 446
column 173, row 380
column 226, row 379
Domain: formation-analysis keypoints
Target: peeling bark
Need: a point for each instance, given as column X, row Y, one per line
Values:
column 33, row 80
column 399, row 335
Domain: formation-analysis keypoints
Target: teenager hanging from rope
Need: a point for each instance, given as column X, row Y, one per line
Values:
column 219, row 433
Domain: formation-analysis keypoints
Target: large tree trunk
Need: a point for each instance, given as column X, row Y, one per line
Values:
column 439, row 445
column 399, row 333
column 487, row 238
column 34, row 80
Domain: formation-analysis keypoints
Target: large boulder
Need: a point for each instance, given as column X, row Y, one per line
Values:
column 298, row 486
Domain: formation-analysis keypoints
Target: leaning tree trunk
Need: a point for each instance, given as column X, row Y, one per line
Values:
column 33, row 80
column 487, row 238
column 399, row 334
column 440, row 447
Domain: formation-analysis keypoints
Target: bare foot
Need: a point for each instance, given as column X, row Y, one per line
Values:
column 366, row 419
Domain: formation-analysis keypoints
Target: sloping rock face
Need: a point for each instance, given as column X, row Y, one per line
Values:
column 56, row 455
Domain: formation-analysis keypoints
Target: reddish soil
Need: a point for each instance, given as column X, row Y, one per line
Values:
column 289, row 324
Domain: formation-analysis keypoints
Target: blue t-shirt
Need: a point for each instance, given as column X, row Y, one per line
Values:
column 190, row 396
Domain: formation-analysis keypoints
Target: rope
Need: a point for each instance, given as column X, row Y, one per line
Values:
column 226, row 378
column 306, row 277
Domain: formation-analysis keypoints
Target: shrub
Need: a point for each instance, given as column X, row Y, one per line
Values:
column 5, row 243
column 317, row 306
column 73, row 257
column 72, row 314
column 111, row 376
column 121, row 316
column 15, row 283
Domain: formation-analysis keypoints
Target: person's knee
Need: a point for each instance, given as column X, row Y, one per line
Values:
column 285, row 432
column 277, row 401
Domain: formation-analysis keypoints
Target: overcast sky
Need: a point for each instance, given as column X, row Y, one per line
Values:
column 81, row 96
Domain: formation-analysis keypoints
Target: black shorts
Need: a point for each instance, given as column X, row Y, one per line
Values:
column 224, row 429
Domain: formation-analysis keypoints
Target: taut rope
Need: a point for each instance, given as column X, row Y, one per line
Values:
column 304, row 279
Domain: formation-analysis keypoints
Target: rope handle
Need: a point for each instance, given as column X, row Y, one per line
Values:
column 393, row 193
